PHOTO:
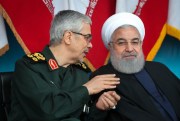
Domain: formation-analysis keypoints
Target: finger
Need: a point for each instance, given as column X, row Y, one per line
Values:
column 109, row 86
column 110, row 97
column 106, row 105
column 110, row 79
column 116, row 96
column 111, row 82
column 113, row 97
column 106, row 75
column 108, row 102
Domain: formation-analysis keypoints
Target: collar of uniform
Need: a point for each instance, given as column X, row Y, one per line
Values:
column 82, row 66
column 51, row 61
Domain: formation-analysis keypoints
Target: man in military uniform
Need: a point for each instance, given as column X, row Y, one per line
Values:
column 53, row 85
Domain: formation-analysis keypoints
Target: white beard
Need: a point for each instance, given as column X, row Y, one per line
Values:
column 127, row 66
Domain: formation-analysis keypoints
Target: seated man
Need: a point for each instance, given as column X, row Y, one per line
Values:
column 149, row 90
column 53, row 85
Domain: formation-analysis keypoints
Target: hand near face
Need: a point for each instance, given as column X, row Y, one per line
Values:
column 101, row 82
column 108, row 100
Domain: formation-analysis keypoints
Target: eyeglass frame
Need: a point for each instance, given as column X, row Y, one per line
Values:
column 121, row 42
column 87, row 37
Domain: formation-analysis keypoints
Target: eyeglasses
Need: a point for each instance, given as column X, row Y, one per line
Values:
column 121, row 42
column 134, row 42
column 87, row 37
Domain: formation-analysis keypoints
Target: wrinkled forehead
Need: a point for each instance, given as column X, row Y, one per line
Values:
column 124, row 27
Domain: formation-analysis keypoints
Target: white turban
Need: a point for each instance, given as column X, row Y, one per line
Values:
column 120, row 19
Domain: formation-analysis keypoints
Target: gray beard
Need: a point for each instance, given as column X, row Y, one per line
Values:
column 127, row 66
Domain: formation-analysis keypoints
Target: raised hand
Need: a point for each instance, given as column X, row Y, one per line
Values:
column 102, row 82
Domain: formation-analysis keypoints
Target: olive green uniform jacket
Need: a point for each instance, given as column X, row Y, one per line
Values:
column 44, row 91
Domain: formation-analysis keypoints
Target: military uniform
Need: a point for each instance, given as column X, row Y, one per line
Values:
column 44, row 91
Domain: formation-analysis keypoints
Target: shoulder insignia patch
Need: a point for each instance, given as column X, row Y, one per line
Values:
column 35, row 57
column 53, row 64
column 83, row 66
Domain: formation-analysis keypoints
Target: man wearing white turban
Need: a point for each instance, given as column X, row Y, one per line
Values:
column 149, row 90
column 118, row 20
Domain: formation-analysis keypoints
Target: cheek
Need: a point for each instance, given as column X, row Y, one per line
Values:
column 84, row 45
column 138, row 51
column 118, row 51
column 80, row 45
column 81, row 48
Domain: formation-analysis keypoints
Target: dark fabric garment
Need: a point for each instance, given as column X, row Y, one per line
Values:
column 136, row 104
column 43, row 93
column 158, row 97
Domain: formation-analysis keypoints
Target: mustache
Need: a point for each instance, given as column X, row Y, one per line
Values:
column 129, row 54
column 86, row 51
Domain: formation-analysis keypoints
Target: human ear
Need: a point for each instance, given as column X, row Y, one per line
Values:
column 67, row 37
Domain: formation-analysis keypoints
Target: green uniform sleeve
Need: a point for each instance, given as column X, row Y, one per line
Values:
column 41, row 100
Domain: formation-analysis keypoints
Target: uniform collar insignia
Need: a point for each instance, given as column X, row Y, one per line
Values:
column 53, row 64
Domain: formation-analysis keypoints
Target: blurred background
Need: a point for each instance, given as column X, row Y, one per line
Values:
column 24, row 28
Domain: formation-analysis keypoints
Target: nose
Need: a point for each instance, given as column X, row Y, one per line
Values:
column 129, row 47
column 90, row 45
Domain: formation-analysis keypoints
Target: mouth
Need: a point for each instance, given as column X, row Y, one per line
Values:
column 129, row 56
column 86, row 52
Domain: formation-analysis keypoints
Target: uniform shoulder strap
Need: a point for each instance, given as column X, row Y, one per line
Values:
column 82, row 66
column 35, row 57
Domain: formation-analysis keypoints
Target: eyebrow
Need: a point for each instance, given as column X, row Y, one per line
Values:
column 119, row 39
column 122, row 39
column 137, row 38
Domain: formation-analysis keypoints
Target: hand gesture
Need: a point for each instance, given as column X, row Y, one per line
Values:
column 108, row 100
column 102, row 82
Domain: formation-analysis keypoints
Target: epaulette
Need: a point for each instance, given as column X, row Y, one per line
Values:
column 82, row 66
column 35, row 57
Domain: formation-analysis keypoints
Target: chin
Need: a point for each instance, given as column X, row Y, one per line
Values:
column 81, row 59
